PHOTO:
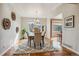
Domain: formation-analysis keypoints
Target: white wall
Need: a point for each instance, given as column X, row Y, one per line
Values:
column 59, row 16
column 25, row 21
column 8, row 37
column 70, row 35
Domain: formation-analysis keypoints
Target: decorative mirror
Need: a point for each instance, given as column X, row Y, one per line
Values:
column 17, row 29
column 13, row 16
column 6, row 23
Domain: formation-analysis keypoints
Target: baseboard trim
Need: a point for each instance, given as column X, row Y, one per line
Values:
column 10, row 46
column 71, row 49
column 6, row 50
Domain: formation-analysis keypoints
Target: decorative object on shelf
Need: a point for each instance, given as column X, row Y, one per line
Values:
column 69, row 22
column 6, row 23
column 17, row 29
column 13, row 16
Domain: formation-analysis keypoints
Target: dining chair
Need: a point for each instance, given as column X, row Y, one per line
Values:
column 36, row 30
column 43, row 37
column 30, row 38
column 37, row 40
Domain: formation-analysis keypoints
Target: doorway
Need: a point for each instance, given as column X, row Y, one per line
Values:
column 56, row 33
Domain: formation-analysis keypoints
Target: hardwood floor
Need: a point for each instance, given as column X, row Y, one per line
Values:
column 63, row 52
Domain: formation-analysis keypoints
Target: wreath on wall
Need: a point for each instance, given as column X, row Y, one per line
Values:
column 17, row 29
column 13, row 16
column 6, row 23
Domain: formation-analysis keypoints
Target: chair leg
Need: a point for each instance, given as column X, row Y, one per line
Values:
column 43, row 41
column 40, row 46
column 34, row 45
column 30, row 43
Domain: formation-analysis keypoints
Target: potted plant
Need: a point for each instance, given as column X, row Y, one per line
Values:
column 23, row 31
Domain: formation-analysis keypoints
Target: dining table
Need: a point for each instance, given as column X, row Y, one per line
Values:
column 31, row 37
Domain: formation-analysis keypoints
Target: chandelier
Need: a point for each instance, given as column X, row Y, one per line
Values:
column 36, row 20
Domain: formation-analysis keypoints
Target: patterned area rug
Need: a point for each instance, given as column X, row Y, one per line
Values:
column 23, row 47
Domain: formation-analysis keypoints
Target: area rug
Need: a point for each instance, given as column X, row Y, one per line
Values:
column 23, row 47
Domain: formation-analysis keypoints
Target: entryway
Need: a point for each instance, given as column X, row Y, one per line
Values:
column 56, row 33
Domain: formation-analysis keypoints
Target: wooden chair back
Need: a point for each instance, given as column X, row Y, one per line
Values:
column 37, row 39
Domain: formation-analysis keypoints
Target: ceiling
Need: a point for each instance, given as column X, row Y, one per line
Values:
column 35, row 9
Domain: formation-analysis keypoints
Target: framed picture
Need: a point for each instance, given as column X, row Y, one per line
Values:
column 69, row 22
